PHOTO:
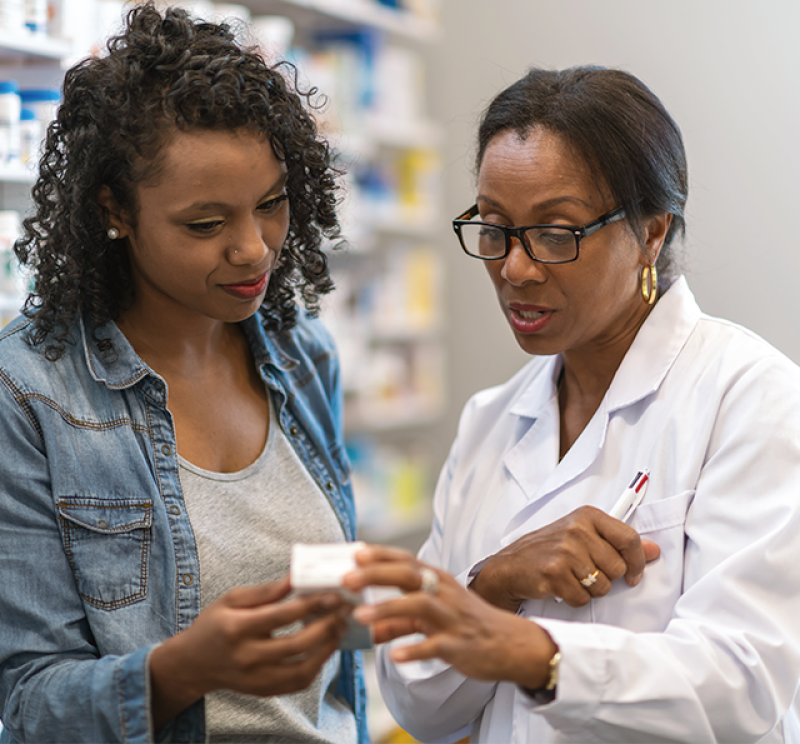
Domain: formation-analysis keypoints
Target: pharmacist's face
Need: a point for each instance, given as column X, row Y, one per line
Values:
column 584, row 305
column 209, row 227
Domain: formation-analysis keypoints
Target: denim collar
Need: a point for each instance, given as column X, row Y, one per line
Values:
column 124, row 368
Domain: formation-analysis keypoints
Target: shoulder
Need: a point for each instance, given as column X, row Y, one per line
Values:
column 298, row 355
column 731, row 350
column 22, row 364
column 308, row 341
column 309, row 336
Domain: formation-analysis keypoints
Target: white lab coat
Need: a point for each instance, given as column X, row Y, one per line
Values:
column 707, row 646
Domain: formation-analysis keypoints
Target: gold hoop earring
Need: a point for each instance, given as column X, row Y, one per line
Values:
column 649, row 284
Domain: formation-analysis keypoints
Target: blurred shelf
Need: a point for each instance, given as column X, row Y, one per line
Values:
column 399, row 415
column 32, row 47
column 352, row 13
column 11, row 303
column 18, row 173
column 405, row 334
column 382, row 132
column 406, row 532
column 398, row 224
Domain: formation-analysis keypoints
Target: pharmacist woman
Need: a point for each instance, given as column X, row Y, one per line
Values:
column 538, row 616
column 170, row 421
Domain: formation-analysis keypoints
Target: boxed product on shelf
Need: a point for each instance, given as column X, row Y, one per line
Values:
column 391, row 487
column 10, row 110
column 12, row 283
column 386, row 317
column 369, row 82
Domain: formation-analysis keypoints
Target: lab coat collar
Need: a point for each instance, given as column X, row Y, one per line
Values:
column 540, row 389
column 643, row 369
column 655, row 348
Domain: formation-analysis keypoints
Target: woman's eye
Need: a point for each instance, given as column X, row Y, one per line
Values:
column 271, row 206
column 204, row 227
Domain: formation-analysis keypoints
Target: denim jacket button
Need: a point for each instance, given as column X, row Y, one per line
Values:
column 165, row 449
column 293, row 431
column 159, row 386
column 329, row 486
column 188, row 579
column 175, row 510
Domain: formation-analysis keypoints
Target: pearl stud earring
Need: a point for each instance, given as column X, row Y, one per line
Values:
column 112, row 233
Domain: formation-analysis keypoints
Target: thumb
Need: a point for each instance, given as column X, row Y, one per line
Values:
column 651, row 550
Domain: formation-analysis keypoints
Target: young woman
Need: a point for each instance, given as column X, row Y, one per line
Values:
column 170, row 421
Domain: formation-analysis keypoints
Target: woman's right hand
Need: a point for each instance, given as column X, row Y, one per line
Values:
column 551, row 561
column 233, row 645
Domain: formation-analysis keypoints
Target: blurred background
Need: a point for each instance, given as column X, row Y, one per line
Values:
column 402, row 84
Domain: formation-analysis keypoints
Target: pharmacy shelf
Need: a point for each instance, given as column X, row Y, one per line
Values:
column 17, row 174
column 10, row 303
column 351, row 12
column 403, row 414
column 382, row 132
column 32, row 47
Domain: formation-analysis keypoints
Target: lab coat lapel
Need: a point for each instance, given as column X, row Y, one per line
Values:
column 542, row 477
column 539, row 444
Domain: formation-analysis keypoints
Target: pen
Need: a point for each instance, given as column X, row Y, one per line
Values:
column 626, row 504
column 631, row 497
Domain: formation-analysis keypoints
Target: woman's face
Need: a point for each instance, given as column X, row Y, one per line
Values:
column 209, row 226
column 588, row 305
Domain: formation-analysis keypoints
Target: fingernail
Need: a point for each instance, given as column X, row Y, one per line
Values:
column 399, row 654
column 364, row 614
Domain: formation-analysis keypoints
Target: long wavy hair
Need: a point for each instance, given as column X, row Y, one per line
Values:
column 164, row 71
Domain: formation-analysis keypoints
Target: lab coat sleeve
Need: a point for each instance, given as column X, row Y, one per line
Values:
column 53, row 684
column 727, row 665
column 429, row 699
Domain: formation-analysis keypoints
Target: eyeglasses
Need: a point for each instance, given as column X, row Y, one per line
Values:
column 551, row 244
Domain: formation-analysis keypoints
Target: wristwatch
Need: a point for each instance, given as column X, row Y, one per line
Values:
column 547, row 693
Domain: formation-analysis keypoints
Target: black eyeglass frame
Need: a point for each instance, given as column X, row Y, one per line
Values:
column 615, row 215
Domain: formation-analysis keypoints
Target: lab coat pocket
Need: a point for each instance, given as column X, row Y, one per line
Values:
column 648, row 606
column 107, row 542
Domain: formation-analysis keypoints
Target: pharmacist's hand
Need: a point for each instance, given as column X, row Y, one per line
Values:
column 553, row 560
column 241, row 642
column 480, row 641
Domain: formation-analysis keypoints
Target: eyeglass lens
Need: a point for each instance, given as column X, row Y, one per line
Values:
column 545, row 243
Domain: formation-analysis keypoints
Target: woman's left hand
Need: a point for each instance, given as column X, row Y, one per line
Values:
column 479, row 640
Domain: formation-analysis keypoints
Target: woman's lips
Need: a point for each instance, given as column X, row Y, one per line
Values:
column 249, row 289
column 528, row 319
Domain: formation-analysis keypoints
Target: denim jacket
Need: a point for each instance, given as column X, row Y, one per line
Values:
column 98, row 562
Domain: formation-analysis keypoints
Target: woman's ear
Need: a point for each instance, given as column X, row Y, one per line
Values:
column 655, row 233
column 114, row 214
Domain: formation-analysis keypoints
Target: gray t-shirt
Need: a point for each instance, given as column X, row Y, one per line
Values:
column 245, row 524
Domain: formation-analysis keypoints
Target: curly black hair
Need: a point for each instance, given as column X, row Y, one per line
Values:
column 162, row 72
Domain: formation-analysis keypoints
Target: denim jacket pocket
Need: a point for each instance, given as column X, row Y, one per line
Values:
column 107, row 542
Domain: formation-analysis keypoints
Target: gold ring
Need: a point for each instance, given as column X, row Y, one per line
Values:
column 428, row 580
column 587, row 581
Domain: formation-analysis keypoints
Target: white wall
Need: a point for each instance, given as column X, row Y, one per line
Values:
column 729, row 73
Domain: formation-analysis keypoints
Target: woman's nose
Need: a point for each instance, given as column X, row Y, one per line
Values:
column 250, row 245
column 519, row 267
